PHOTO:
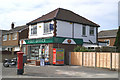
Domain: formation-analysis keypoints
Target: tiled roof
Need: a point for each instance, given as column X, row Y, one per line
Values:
column 16, row 29
column 107, row 33
column 65, row 15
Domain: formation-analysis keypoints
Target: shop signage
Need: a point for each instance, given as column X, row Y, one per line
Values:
column 58, row 56
column 54, row 56
column 55, row 40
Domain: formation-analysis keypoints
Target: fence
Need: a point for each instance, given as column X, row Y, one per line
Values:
column 95, row 59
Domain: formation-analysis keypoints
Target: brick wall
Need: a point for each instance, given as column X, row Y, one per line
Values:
column 67, row 48
column 10, row 42
column 112, row 40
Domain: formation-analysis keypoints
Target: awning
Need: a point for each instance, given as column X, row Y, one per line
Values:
column 62, row 40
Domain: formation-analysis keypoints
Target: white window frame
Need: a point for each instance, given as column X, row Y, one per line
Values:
column 34, row 30
column 92, row 29
column 14, row 36
column 5, row 38
column 83, row 30
column 47, row 29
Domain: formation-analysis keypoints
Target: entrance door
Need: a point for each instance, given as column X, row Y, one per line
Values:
column 44, row 52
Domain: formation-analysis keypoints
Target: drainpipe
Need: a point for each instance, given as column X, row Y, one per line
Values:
column 72, row 30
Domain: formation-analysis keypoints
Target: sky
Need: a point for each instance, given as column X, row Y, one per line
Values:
column 102, row 12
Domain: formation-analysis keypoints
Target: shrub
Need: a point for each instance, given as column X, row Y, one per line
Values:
column 82, row 49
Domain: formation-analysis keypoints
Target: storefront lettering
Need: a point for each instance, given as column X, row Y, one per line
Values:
column 36, row 41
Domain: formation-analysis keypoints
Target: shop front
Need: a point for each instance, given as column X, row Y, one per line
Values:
column 37, row 49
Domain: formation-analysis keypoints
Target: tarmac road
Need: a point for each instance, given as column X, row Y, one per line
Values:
column 51, row 71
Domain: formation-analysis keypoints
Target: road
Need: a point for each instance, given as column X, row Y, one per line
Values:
column 59, row 72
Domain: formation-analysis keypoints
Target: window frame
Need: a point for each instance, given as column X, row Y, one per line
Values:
column 33, row 29
column 4, row 37
column 108, row 42
column 48, row 28
column 14, row 36
column 90, row 31
column 9, row 37
column 83, row 30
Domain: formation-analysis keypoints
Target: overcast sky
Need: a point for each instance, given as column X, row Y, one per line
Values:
column 102, row 12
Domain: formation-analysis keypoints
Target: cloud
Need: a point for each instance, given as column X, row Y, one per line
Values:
column 103, row 12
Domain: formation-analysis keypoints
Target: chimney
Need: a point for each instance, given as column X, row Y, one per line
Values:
column 12, row 25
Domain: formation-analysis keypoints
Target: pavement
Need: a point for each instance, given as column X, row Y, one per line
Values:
column 50, row 71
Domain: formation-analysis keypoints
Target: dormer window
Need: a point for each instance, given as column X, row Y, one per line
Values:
column 48, row 27
column 33, row 29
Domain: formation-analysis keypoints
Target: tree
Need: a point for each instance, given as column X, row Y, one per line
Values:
column 117, row 41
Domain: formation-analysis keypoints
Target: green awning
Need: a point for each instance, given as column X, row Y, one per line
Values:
column 54, row 40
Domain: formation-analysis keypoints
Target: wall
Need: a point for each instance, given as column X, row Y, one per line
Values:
column 11, row 42
column 40, row 31
column 112, row 40
column 24, row 34
column 67, row 48
column 65, row 29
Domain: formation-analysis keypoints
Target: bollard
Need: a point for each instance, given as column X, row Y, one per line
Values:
column 20, row 63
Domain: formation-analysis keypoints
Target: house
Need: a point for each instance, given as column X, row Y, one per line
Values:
column 60, row 28
column 1, row 32
column 10, row 38
column 108, row 36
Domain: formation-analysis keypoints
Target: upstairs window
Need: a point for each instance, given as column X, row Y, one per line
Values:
column 5, row 38
column 33, row 29
column 9, row 36
column 91, row 30
column 84, row 30
column 48, row 27
column 14, row 36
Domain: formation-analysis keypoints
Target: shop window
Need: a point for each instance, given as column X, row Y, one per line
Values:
column 48, row 27
column 14, row 36
column 33, row 29
column 84, row 30
column 91, row 30
column 5, row 38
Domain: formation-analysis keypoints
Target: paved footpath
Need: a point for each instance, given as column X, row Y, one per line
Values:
column 59, row 72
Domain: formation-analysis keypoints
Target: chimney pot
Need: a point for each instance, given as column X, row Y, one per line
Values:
column 12, row 25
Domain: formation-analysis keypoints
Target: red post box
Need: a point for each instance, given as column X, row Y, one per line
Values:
column 20, row 63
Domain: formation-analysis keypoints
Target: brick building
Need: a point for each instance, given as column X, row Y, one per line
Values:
column 60, row 28
column 108, row 36
column 10, row 38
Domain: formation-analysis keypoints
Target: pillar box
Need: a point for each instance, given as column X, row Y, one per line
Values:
column 20, row 63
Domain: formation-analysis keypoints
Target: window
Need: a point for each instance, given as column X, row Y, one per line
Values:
column 48, row 27
column 84, row 30
column 91, row 30
column 9, row 49
column 14, row 36
column 107, row 42
column 33, row 29
column 9, row 36
column 5, row 38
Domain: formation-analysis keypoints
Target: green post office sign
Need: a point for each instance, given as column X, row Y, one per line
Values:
column 54, row 40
